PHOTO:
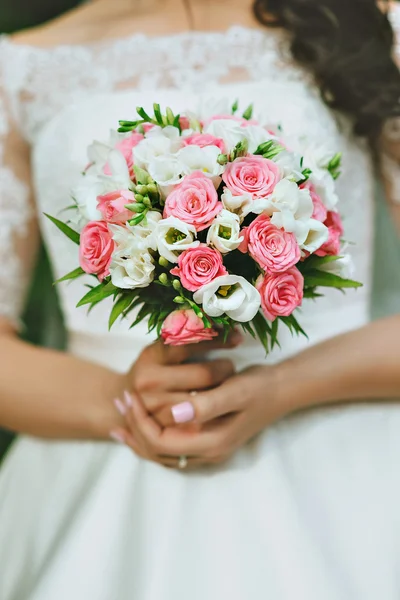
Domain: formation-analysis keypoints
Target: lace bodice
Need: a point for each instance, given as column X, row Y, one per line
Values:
column 58, row 100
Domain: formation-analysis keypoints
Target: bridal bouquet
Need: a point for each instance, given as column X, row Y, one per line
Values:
column 202, row 224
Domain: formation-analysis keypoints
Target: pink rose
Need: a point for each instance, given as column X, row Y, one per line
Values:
column 204, row 139
column 194, row 201
column 112, row 206
column 252, row 175
column 280, row 293
column 199, row 266
column 185, row 327
column 320, row 212
column 274, row 249
column 126, row 146
column 96, row 248
column 335, row 227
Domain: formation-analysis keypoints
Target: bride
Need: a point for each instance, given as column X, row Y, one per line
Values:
column 277, row 501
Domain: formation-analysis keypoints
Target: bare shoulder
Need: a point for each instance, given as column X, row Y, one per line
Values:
column 76, row 27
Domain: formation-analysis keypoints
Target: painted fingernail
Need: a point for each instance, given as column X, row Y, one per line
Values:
column 120, row 406
column 128, row 399
column 183, row 413
column 117, row 437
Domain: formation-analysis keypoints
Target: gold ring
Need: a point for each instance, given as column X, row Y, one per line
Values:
column 182, row 462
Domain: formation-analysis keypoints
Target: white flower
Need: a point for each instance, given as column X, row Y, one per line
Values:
column 230, row 131
column 194, row 158
column 133, row 271
column 166, row 171
column 119, row 177
column 343, row 267
column 224, row 233
column 147, row 228
column 85, row 194
column 256, row 135
column 231, row 295
column 169, row 132
column 288, row 199
column 290, row 165
column 132, row 265
column 151, row 147
column 174, row 236
column 317, row 235
column 237, row 204
column 325, row 187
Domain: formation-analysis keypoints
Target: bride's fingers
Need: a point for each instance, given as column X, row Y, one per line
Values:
column 163, row 354
column 202, row 375
column 206, row 406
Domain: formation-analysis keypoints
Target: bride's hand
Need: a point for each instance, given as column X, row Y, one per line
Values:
column 162, row 378
column 225, row 419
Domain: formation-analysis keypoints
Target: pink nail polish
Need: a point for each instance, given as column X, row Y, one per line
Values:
column 117, row 437
column 128, row 399
column 120, row 406
column 183, row 413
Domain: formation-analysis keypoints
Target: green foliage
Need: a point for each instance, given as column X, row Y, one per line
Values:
column 66, row 229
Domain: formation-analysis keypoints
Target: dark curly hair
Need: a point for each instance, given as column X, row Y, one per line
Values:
column 348, row 45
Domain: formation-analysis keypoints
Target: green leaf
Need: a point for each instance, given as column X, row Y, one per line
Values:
column 121, row 305
column 235, row 106
column 248, row 113
column 334, row 165
column 317, row 278
column 248, row 329
column 262, row 329
column 97, row 293
column 73, row 235
column 293, row 325
column 157, row 114
column 312, row 294
column 274, row 334
column 177, row 123
column 72, row 275
column 315, row 262
column 142, row 113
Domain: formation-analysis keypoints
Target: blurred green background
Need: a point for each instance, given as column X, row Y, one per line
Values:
column 42, row 316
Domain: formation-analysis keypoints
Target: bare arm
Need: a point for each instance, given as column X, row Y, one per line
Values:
column 360, row 365
column 55, row 395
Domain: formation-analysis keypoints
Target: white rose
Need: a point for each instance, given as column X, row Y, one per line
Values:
column 151, row 147
column 166, row 171
column 230, row 131
column 237, row 204
column 231, row 295
column 290, row 165
column 132, row 265
column 224, row 233
column 133, row 271
column 173, row 236
column 194, row 158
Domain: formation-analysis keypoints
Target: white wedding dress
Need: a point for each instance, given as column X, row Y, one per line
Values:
column 308, row 510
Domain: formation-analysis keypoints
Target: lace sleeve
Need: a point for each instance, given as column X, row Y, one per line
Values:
column 18, row 228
